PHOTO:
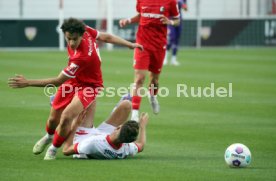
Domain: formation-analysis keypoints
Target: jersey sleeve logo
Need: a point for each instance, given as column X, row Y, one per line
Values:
column 72, row 68
column 162, row 9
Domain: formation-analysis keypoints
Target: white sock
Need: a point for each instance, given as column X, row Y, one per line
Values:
column 52, row 147
column 135, row 112
column 49, row 136
column 134, row 115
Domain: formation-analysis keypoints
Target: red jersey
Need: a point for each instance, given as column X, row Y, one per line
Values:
column 152, row 34
column 84, row 66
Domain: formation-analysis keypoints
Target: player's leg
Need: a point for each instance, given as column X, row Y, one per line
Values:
column 64, row 127
column 69, row 144
column 169, row 44
column 153, row 90
column 140, row 76
column 124, row 97
column 51, row 125
column 88, row 120
column 155, row 67
column 141, row 65
column 120, row 115
column 175, row 46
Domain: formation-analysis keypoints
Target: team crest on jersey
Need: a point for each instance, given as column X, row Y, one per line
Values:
column 162, row 9
column 72, row 68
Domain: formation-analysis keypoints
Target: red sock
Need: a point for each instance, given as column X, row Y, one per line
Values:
column 49, row 130
column 58, row 140
column 136, row 101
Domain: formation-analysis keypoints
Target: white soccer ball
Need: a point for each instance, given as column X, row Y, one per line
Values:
column 237, row 155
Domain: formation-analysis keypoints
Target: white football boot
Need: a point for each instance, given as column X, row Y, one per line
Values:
column 154, row 103
column 174, row 61
column 51, row 153
column 41, row 144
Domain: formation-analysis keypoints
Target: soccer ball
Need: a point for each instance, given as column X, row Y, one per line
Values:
column 237, row 155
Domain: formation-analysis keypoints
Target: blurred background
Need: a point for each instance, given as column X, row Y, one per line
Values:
column 33, row 23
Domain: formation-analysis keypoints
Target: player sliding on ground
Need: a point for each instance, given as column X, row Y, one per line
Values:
column 115, row 138
column 82, row 74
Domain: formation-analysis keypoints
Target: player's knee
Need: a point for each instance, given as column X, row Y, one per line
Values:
column 126, row 105
column 140, row 79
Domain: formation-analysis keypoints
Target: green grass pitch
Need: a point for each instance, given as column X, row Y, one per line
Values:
column 186, row 141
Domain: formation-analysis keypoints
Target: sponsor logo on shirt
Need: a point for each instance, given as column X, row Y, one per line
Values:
column 113, row 154
column 151, row 15
column 72, row 68
column 90, row 46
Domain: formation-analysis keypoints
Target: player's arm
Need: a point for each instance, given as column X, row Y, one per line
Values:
column 108, row 38
column 167, row 21
column 134, row 19
column 19, row 81
column 141, row 140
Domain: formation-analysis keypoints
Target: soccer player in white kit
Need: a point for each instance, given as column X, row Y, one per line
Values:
column 115, row 138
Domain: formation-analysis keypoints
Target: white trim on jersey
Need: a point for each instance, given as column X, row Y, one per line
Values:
column 151, row 15
column 67, row 74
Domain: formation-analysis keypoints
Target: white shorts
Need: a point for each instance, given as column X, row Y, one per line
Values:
column 106, row 128
column 82, row 132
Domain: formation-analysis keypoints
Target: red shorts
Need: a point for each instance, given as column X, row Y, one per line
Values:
column 66, row 93
column 149, row 60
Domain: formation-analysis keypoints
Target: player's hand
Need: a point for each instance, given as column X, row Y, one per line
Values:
column 165, row 20
column 19, row 81
column 124, row 22
column 144, row 119
column 137, row 45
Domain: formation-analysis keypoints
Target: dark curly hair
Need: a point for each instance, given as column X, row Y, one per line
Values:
column 73, row 25
column 129, row 132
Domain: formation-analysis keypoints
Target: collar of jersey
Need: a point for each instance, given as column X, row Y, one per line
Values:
column 116, row 147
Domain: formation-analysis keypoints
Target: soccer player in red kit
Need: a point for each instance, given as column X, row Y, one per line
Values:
column 153, row 17
column 80, row 82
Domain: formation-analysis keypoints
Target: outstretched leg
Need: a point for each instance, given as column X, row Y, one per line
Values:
column 120, row 115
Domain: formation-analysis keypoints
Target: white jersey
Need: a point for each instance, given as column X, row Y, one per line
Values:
column 95, row 143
